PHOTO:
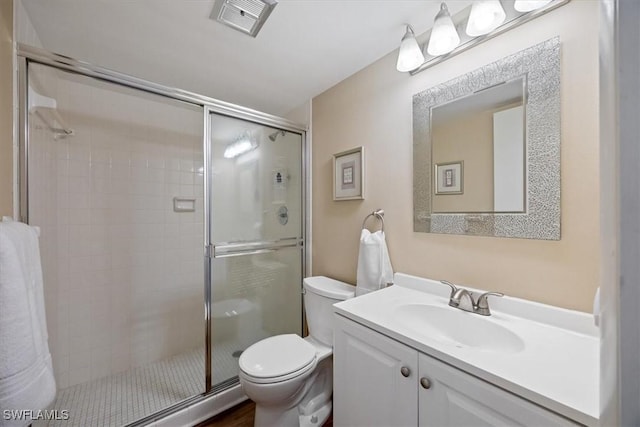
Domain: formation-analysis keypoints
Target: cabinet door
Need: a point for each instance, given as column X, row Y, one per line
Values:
column 371, row 388
column 454, row 398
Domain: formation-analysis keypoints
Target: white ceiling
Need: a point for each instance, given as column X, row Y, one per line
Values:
column 304, row 48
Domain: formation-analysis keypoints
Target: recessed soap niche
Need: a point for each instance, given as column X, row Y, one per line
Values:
column 182, row 204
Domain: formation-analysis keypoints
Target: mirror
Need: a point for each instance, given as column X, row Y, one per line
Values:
column 487, row 149
column 477, row 146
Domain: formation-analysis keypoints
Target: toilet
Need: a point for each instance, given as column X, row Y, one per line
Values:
column 291, row 378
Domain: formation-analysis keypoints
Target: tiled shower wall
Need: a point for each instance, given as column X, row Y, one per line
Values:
column 123, row 272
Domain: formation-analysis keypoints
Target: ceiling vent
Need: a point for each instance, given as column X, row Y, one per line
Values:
column 246, row 16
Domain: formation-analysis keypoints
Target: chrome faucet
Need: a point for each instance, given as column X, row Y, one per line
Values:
column 464, row 300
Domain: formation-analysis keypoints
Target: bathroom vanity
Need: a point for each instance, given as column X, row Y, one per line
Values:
column 404, row 357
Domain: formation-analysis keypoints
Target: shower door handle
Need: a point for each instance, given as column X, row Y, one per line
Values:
column 224, row 250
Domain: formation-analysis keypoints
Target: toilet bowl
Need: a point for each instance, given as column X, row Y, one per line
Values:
column 290, row 378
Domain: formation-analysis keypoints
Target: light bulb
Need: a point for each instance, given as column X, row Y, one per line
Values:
column 241, row 146
column 529, row 5
column 444, row 37
column 485, row 16
column 410, row 55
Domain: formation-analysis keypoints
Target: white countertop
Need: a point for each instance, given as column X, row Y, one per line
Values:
column 558, row 368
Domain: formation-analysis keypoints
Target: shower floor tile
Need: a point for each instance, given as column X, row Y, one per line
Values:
column 125, row 397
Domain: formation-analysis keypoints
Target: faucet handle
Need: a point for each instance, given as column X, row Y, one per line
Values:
column 482, row 305
column 453, row 287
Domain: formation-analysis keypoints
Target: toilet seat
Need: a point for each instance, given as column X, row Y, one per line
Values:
column 277, row 358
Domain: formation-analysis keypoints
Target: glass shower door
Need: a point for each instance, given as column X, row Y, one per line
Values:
column 256, row 237
column 122, row 266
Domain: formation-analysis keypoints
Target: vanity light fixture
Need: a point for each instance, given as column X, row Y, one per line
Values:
column 485, row 16
column 444, row 37
column 529, row 5
column 481, row 21
column 410, row 55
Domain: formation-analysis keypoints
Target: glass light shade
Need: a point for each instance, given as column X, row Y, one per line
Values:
column 529, row 5
column 444, row 37
column 410, row 55
column 485, row 16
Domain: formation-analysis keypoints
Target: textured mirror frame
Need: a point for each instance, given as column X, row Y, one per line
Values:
column 540, row 65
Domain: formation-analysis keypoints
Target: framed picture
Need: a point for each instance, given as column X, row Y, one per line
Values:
column 348, row 175
column 449, row 178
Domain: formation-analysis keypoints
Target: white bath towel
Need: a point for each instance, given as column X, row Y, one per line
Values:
column 374, row 266
column 26, row 373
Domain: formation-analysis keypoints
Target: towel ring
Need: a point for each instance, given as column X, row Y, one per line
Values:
column 378, row 213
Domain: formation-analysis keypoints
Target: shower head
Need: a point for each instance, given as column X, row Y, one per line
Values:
column 274, row 135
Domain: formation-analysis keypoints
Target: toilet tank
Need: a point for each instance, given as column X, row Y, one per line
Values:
column 320, row 293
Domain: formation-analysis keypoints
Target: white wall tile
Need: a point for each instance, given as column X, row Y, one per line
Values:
column 79, row 168
column 99, row 155
column 79, row 375
column 117, row 257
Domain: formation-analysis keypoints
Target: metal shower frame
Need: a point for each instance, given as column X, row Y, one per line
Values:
column 28, row 54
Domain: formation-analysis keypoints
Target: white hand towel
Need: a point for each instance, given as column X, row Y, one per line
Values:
column 374, row 266
column 26, row 373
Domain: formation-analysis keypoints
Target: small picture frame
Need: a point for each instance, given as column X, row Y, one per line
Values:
column 449, row 178
column 348, row 175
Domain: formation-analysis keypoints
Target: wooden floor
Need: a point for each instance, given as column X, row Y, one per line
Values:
column 238, row 416
column 241, row 416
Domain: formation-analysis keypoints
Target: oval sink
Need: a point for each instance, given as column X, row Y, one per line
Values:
column 457, row 327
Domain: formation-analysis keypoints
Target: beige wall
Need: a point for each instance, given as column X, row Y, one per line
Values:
column 373, row 108
column 469, row 139
column 6, row 108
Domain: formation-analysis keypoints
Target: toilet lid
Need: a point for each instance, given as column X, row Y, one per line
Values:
column 277, row 356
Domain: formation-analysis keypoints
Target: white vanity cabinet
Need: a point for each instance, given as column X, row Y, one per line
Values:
column 380, row 382
column 375, row 378
column 451, row 397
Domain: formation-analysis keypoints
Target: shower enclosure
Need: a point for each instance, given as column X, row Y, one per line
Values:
column 131, row 184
